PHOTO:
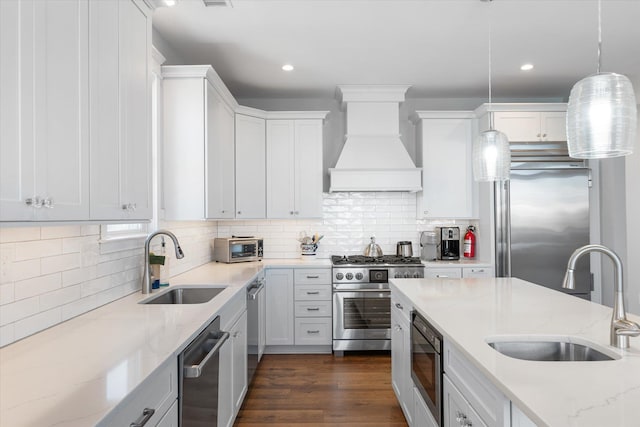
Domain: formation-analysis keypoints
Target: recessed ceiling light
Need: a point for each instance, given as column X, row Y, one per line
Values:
column 170, row 3
column 287, row 67
column 527, row 67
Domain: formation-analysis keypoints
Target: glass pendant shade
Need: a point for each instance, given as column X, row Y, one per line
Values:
column 491, row 156
column 601, row 117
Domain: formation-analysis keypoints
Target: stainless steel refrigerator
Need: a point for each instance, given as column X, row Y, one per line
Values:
column 542, row 216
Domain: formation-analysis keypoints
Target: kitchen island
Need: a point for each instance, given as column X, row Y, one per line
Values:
column 469, row 311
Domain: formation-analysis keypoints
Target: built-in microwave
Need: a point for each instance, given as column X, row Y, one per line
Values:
column 237, row 249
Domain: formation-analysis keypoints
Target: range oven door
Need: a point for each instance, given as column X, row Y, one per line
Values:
column 362, row 315
column 426, row 365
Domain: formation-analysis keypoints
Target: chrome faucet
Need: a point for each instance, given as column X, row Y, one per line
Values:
column 146, row 276
column 621, row 327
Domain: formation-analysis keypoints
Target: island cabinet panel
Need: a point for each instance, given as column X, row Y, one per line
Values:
column 401, row 355
column 482, row 396
column 457, row 410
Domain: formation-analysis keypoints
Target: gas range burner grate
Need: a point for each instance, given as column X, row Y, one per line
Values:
column 366, row 260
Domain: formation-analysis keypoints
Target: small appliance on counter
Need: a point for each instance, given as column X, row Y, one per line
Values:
column 448, row 243
column 428, row 246
column 404, row 249
column 237, row 249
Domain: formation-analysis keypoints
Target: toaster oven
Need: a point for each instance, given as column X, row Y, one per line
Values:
column 237, row 249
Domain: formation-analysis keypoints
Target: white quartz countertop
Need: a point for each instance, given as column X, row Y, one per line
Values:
column 74, row 373
column 562, row 394
column 456, row 263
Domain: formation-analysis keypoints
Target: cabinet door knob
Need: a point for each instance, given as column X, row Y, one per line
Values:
column 290, row 212
column 34, row 202
column 239, row 212
column 398, row 305
column 47, row 203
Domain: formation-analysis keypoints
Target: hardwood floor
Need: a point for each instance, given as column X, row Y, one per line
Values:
column 322, row 390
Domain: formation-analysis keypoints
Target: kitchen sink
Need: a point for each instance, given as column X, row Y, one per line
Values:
column 194, row 294
column 562, row 350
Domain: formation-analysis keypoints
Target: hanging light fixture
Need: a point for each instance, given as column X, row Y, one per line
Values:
column 601, row 114
column 491, row 151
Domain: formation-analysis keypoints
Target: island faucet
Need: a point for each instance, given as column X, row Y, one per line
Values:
column 146, row 275
column 621, row 327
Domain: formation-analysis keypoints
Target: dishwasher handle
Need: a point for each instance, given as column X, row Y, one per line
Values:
column 194, row 371
column 255, row 290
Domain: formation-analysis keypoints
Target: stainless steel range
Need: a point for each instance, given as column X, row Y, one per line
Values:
column 362, row 299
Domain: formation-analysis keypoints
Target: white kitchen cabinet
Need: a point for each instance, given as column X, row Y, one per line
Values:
column 280, row 307
column 44, row 129
column 158, row 392
column 519, row 419
column 119, row 110
column 422, row 414
column 170, row 419
column 233, row 372
column 401, row 380
column 442, row 273
column 294, row 168
column 530, row 126
column 443, row 151
column 457, row 411
column 477, row 272
column 299, row 316
column 473, row 389
column 199, row 128
column 251, row 196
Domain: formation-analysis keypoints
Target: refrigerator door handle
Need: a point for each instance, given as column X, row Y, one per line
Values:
column 503, row 228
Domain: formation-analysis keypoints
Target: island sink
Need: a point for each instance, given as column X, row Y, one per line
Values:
column 185, row 295
column 550, row 351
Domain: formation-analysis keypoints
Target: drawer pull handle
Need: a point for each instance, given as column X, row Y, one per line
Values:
column 147, row 413
column 313, row 308
column 441, row 276
column 398, row 305
column 313, row 292
column 313, row 277
column 313, row 332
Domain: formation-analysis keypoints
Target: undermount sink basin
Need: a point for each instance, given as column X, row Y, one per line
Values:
column 185, row 295
column 561, row 350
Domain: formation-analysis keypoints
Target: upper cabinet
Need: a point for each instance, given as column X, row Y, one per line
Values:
column 251, row 190
column 443, row 149
column 294, row 165
column 44, row 128
column 120, row 102
column 74, row 123
column 199, row 132
column 526, row 122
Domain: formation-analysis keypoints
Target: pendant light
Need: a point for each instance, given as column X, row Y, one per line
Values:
column 491, row 151
column 601, row 114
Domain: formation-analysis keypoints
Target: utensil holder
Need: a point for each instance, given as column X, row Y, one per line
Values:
column 308, row 249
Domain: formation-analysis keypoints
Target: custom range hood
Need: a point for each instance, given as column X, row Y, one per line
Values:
column 373, row 157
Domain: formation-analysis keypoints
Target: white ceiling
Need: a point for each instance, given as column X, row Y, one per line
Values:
column 439, row 47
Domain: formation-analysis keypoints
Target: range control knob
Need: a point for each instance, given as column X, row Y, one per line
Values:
column 349, row 276
column 406, row 275
column 397, row 275
column 339, row 276
column 416, row 275
column 359, row 276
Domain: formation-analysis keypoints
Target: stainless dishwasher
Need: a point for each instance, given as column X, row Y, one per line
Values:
column 199, row 364
column 256, row 306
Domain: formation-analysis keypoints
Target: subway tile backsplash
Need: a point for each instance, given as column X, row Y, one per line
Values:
column 49, row 274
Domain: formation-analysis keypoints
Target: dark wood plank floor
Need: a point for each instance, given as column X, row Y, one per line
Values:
column 322, row 390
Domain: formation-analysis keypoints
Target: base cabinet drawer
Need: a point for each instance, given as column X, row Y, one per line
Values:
column 443, row 273
column 456, row 410
column 312, row 276
column 313, row 331
column 313, row 292
column 170, row 419
column 478, row 272
column 313, row 309
column 157, row 393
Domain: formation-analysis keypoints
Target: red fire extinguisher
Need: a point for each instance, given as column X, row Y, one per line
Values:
column 470, row 243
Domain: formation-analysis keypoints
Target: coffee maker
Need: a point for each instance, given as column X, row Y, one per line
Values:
column 448, row 243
